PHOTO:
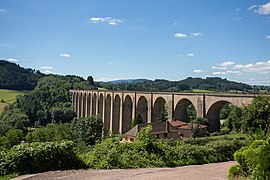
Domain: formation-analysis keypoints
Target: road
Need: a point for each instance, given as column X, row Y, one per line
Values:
column 213, row 171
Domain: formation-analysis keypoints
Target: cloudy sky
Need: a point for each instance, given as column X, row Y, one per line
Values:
column 154, row 39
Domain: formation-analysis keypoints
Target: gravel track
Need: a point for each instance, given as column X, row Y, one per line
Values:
column 217, row 171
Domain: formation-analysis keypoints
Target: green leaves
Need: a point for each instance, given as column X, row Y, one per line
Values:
column 39, row 157
column 151, row 152
column 257, row 114
column 88, row 129
column 253, row 160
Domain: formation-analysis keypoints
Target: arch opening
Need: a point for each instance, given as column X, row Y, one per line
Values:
column 185, row 111
column 88, row 104
column 142, row 109
column 127, row 114
column 84, row 105
column 94, row 103
column 116, row 114
column 100, row 105
column 107, row 113
column 160, row 110
column 80, row 105
column 214, row 115
column 77, row 104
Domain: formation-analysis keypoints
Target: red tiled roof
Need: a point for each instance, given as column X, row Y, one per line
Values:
column 177, row 123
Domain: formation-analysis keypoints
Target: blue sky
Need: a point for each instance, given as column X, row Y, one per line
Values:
column 153, row 39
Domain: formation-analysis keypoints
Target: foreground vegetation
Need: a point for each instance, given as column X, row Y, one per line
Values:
column 111, row 153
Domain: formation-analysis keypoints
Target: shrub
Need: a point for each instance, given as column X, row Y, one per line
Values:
column 39, row 157
column 254, row 160
column 151, row 152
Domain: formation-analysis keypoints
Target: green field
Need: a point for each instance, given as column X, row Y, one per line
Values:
column 201, row 91
column 8, row 97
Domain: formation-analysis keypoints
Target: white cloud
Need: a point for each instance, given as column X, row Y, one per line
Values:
column 196, row 34
column 110, row 62
column 47, row 72
column 190, row 55
column 225, row 72
column 107, row 20
column 219, row 73
column 268, row 37
column 12, row 60
column 180, row 35
column 219, row 67
column 252, row 7
column 198, row 71
column 224, row 65
column 261, row 9
column 46, row 67
column 183, row 35
column 227, row 63
column 104, row 79
column 3, row 10
column 65, row 55
column 262, row 67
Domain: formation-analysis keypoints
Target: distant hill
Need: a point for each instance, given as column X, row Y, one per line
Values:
column 127, row 81
column 14, row 77
column 210, row 83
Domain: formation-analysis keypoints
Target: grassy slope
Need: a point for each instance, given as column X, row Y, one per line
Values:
column 9, row 96
column 201, row 91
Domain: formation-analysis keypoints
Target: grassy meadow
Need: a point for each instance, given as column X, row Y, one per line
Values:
column 201, row 91
column 8, row 97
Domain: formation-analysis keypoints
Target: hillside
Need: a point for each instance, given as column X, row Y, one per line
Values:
column 8, row 97
column 209, row 84
column 14, row 77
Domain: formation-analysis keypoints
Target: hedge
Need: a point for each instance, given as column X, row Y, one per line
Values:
column 39, row 157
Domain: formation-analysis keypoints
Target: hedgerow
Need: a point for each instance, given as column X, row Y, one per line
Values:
column 39, row 157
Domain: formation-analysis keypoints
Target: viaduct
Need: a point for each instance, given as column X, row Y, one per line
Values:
column 118, row 108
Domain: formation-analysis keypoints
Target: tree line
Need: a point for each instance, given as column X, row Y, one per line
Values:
column 210, row 83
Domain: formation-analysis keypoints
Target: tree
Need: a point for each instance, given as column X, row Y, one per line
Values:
column 88, row 129
column 91, row 80
column 257, row 115
column 201, row 121
column 52, row 132
column 137, row 120
column 164, row 114
column 13, row 119
column 233, row 121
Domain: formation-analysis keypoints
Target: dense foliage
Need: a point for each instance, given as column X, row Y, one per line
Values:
column 150, row 152
column 253, row 160
column 210, row 83
column 12, row 76
column 88, row 129
column 50, row 101
column 39, row 157
column 253, row 117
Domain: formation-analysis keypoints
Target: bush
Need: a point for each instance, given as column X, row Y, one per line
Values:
column 39, row 157
column 235, row 171
column 151, row 152
column 254, row 160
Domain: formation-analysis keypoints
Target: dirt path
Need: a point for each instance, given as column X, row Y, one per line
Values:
column 215, row 171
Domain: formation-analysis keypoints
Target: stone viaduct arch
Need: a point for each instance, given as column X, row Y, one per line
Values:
column 118, row 108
